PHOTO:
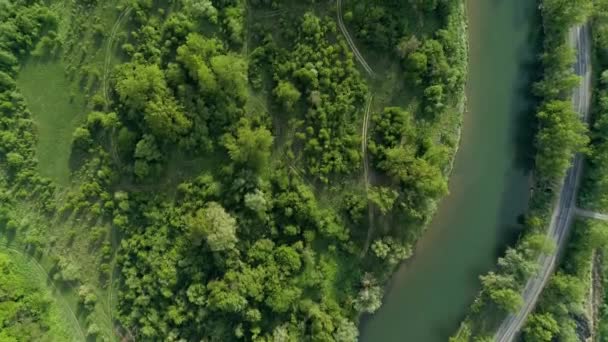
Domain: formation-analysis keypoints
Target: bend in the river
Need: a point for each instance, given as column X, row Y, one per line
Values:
column 489, row 186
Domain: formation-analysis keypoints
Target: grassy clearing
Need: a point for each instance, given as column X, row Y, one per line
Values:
column 57, row 108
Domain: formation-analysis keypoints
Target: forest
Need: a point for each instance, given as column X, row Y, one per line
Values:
column 222, row 181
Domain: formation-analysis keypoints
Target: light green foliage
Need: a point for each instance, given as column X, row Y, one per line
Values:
column 383, row 197
column 201, row 9
column 27, row 312
column 502, row 290
column 146, row 154
column 347, row 332
column 81, row 137
column 257, row 202
column 87, row 296
column 234, row 23
column 390, row 250
column 249, row 146
column 369, row 298
column 540, row 328
column 138, row 84
column 380, row 249
column 518, row 264
column 559, row 126
column 143, row 88
column 287, row 94
column 394, row 145
column 231, row 72
column 195, row 55
column 215, row 226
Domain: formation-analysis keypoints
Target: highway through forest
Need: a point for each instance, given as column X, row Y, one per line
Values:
column 565, row 208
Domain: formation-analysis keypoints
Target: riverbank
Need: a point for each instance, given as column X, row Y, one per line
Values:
column 560, row 135
column 489, row 170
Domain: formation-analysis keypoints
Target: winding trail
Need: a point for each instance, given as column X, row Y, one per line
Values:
column 43, row 271
column 366, row 178
column 351, row 43
column 107, row 61
column 106, row 70
column 364, row 139
column 109, row 44
column 371, row 73
column 565, row 208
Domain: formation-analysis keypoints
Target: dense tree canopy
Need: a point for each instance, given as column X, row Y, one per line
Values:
column 216, row 165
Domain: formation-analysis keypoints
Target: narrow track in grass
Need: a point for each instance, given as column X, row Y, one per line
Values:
column 351, row 42
column 43, row 271
column 108, row 55
column 366, row 175
column 106, row 69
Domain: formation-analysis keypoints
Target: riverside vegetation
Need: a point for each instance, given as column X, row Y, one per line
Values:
column 562, row 309
column 559, row 135
column 212, row 188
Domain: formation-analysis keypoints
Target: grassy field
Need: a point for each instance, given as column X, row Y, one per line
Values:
column 57, row 108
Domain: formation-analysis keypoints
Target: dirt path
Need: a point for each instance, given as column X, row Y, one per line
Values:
column 366, row 179
column 108, row 55
column 351, row 42
column 106, row 70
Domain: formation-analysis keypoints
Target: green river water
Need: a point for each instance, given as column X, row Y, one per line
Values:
column 489, row 187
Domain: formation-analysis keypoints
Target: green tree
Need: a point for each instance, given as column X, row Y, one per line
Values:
column 501, row 289
column 249, row 146
column 347, row 331
column 231, row 72
column 214, row 225
column 137, row 84
column 383, row 197
column 561, row 134
column 541, row 327
column 287, row 94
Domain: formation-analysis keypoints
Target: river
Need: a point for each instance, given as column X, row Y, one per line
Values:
column 489, row 187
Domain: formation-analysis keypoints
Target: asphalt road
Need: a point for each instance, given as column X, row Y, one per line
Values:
column 565, row 207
